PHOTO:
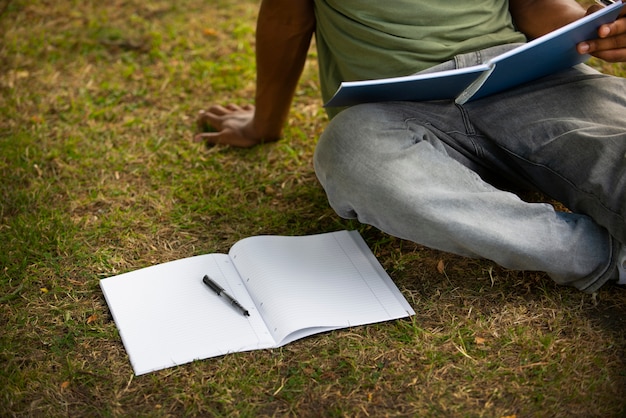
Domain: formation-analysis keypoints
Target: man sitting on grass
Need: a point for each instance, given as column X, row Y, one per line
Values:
column 442, row 174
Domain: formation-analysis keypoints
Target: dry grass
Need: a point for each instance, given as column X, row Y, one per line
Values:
column 99, row 176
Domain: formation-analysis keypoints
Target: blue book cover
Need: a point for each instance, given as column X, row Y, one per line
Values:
column 542, row 56
column 546, row 55
column 420, row 87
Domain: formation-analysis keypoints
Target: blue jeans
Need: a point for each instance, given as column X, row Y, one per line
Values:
column 440, row 174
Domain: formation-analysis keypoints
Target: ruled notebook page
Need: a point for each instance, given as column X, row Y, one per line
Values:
column 311, row 284
column 166, row 316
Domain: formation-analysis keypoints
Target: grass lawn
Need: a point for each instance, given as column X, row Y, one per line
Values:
column 99, row 176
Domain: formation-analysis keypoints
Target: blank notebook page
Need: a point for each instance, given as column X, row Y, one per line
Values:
column 326, row 280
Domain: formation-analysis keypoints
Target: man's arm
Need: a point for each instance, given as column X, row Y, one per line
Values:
column 538, row 17
column 283, row 37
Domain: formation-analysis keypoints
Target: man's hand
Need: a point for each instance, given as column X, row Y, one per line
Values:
column 611, row 43
column 283, row 36
column 229, row 125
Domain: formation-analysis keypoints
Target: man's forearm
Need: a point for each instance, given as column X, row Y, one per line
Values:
column 537, row 17
column 283, row 37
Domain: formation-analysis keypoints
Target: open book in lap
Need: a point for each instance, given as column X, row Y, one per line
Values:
column 546, row 55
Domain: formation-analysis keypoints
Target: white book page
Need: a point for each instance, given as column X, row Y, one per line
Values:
column 166, row 316
column 417, row 76
column 306, row 285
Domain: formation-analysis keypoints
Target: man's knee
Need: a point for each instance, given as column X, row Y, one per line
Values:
column 344, row 136
column 342, row 155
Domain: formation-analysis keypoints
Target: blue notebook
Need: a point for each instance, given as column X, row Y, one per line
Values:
column 548, row 54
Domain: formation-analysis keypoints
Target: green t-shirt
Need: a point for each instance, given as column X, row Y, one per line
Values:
column 370, row 39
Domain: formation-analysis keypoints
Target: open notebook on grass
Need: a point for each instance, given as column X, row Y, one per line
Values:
column 292, row 287
column 548, row 54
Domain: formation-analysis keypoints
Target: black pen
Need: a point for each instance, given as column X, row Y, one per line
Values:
column 219, row 290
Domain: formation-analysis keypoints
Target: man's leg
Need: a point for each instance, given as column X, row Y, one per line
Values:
column 397, row 166
column 567, row 134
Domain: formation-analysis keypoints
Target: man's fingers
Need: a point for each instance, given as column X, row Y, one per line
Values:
column 219, row 110
column 210, row 120
column 226, row 125
column 611, row 49
column 202, row 122
column 212, row 117
column 224, row 138
column 611, row 55
column 216, row 114
column 230, row 108
column 613, row 29
column 202, row 136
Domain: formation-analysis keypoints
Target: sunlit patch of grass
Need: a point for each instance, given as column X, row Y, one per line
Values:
column 99, row 176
